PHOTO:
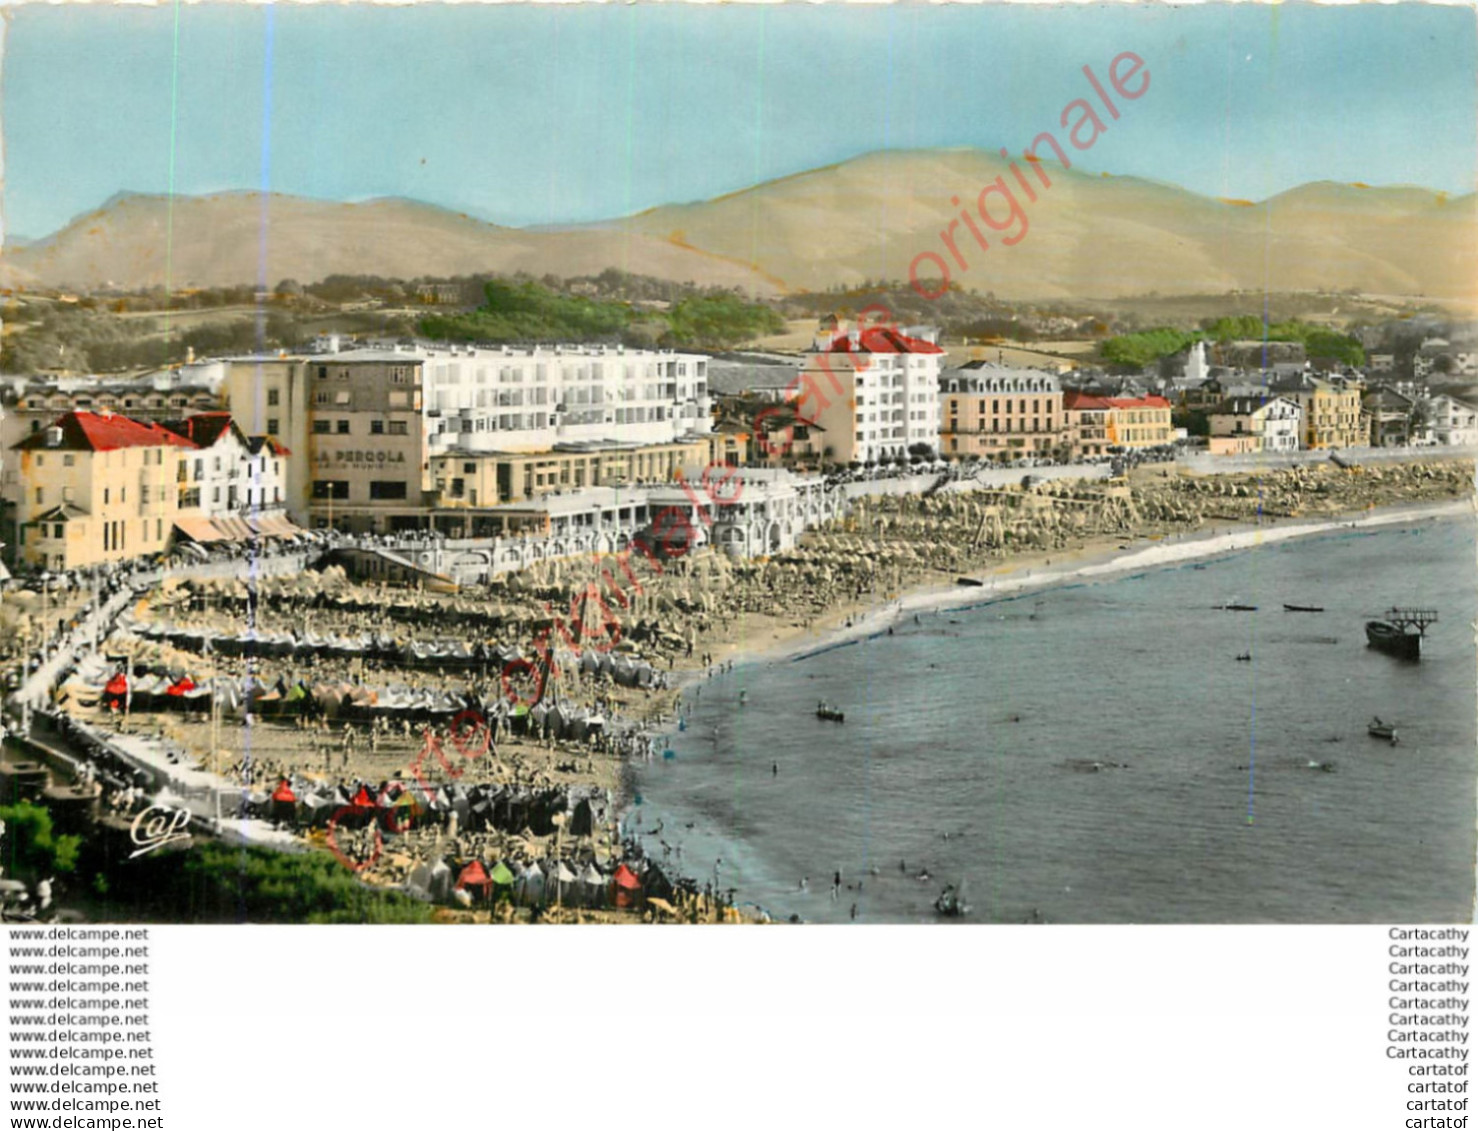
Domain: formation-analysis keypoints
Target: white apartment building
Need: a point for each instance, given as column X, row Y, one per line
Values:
column 525, row 400
column 1453, row 422
column 874, row 392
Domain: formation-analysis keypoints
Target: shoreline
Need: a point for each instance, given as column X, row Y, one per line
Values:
column 1112, row 558
column 1034, row 573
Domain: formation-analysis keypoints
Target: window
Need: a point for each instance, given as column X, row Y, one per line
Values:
column 59, row 531
column 388, row 489
column 272, row 426
column 377, row 427
column 469, row 468
column 40, row 460
column 321, row 398
column 69, row 460
column 273, row 397
column 41, row 497
column 397, row 400
column 321, row 427
column 215, row 494
column 397, row 428
column 341, row 398
column 331, row 488
column 343, row 428
column 323, row 372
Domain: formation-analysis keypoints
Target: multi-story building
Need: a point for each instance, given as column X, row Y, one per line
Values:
column 1139, row 422
column 370, row 421
column 1331, row 410
column 1251, row 425
column 997, row 413
column 1390, row 417
column 874, row 392
column 1453, row 422
column 1087, row 423
column 96, row 487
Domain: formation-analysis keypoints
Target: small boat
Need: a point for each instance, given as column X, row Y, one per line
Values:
column 830, row 714
column 1389, row 638
column 1401, row 632
column 968, row 581
column 1379, row 729
column 1245, row 657
column 1287, row 608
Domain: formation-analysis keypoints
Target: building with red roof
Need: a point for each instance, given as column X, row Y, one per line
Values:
column 96, row 487
column 873, row 392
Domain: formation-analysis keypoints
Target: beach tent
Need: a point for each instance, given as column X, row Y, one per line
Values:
column 625, row 887
column 561, row 884
column 584, row 819
column 531, row 886
column 475, row 878
column 593, row 886
column 502, row 881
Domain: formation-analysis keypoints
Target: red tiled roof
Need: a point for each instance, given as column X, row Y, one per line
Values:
column 94, row 432
column 880, row 339
column 1138, row 402
column 1075, row 401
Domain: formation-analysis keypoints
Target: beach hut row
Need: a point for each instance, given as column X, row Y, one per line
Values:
column 369, row 646
column 537, row 883
column 397, row 807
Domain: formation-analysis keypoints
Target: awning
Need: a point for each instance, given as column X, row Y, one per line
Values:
column 198, row 529
column 233, row 528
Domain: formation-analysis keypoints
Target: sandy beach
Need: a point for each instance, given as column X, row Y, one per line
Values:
column 892, row 557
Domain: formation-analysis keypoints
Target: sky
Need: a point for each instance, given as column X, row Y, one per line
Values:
column 527, row 115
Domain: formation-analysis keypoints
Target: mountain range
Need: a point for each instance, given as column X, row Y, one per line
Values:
column 1085, row 236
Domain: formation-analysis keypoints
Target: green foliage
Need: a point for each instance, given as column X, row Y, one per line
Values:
column 523, row 312
column 215, row 883
column 1318, row 341
column 1138, row 350
column 529, row 311
column 31, row 847
column 720, row 320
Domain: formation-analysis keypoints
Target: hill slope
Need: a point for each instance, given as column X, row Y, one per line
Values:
column 867, row 218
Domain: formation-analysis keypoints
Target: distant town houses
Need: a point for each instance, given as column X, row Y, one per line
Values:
column 542, row 448
column 1332, row 416
column 1252, row 425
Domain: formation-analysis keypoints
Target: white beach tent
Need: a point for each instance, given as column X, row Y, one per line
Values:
column 531, row 886
column 561, row 884
column 593, row 886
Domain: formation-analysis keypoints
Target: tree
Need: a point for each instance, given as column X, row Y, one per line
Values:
column 30, row 844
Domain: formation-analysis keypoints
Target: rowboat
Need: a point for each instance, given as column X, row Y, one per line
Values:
column 1303, row 608
column 1379, row 729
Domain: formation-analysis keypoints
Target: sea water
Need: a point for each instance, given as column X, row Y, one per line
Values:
column 1097, row 753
